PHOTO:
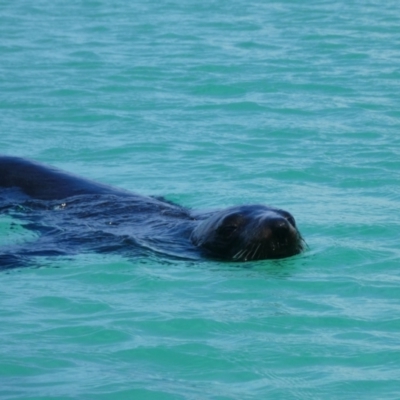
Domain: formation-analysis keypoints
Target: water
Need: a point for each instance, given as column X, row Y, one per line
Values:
column 210, row 104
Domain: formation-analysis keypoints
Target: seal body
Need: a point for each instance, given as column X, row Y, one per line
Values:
column 73, row 214
column 45, row 182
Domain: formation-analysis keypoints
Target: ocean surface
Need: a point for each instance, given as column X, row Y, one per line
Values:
column 209, row 104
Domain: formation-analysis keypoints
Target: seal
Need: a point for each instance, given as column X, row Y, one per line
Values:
column 73, row 215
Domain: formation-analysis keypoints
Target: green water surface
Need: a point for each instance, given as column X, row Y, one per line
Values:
column 210, row 104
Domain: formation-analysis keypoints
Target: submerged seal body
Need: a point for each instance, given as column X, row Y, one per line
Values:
column 73, row 214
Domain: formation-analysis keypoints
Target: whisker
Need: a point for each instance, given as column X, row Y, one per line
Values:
column 238, row 254
column 246, row 254
column 256, row 251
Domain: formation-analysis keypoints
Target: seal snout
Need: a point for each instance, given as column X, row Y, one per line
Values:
column 274, row 236
column 278, row 227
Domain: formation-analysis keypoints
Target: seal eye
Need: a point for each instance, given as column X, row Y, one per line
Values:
column 227, row 230
column 291, row 220
column 288, row 217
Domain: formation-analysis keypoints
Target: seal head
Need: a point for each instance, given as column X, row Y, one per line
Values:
column 251, row 232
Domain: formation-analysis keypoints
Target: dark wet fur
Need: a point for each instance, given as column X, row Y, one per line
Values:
column 251, row 232
column 73, row 215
